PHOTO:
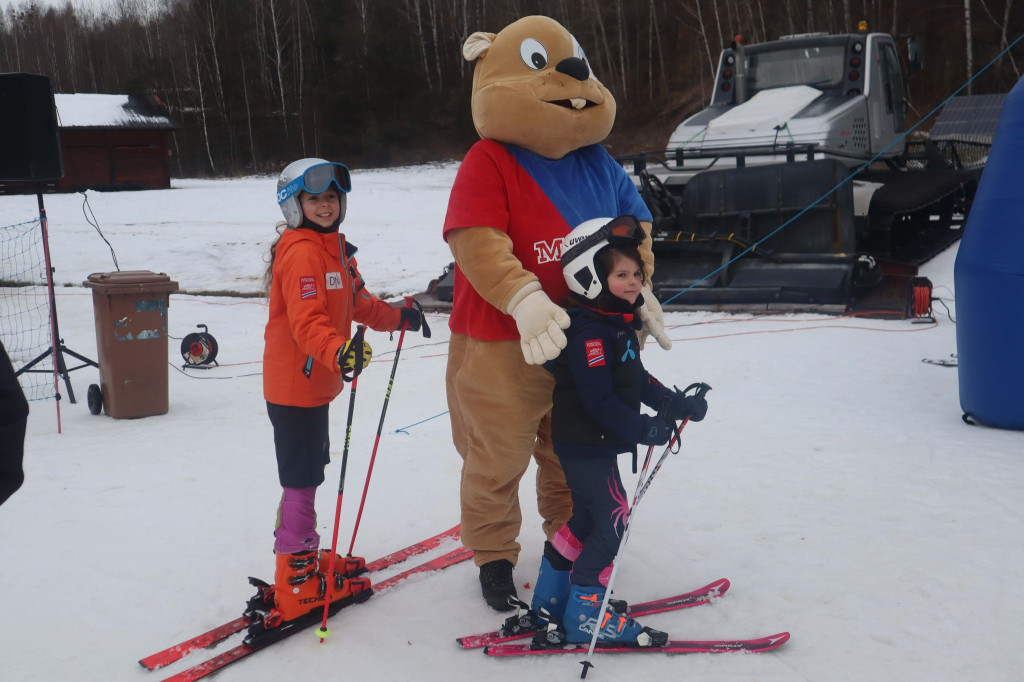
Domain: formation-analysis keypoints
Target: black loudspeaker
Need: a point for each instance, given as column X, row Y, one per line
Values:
column 29, row 138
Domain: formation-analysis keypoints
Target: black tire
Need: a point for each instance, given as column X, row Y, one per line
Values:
column 95, row 399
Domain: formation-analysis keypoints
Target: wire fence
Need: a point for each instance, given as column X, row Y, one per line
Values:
column 25, row 307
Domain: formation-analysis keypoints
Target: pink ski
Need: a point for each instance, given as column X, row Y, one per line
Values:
column 714, row 646
column 703, row 595
column 222, row 632
column 220, row 661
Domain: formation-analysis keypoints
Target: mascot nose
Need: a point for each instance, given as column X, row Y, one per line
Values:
column 574, row 67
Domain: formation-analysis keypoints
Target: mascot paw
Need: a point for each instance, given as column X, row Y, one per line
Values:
column 540, row 323
column 653, row 320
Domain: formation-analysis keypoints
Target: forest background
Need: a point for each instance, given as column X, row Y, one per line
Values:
column 375, row 83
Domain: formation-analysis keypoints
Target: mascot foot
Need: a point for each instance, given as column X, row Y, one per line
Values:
column 497, row 585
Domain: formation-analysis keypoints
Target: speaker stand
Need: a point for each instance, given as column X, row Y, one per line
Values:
column 57, row 348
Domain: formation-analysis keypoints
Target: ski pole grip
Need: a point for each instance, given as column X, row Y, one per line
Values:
column 701, row 389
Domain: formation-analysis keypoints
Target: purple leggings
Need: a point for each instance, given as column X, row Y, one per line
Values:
column 296, row 522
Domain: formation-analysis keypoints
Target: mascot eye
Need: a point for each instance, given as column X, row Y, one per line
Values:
column 533, row 53
column 577, row 52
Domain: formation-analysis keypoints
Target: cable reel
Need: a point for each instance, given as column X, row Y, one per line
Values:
column 199, row 349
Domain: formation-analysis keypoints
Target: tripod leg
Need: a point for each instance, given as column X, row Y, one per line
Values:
column 78, row 357
column 62, row 369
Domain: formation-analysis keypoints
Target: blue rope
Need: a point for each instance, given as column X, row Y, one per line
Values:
column 848, row 178
column 403, row 429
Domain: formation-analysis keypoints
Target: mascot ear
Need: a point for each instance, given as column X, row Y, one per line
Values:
column 476, row 45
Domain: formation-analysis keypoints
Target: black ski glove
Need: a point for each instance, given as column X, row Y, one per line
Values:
column 656, row 431
column 682, row 406
column 414, row 320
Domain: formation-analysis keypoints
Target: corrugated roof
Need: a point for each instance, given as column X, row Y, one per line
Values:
column 971, row 118
column 82, row 110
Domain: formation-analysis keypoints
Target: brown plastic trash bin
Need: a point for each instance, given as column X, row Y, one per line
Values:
column 131, row 341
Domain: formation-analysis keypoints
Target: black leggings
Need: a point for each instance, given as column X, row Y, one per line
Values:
column 302, row 444
column 599, row 513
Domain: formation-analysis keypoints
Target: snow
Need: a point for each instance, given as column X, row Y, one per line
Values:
column 833, row 481
column 766, row 110
column 102, row 111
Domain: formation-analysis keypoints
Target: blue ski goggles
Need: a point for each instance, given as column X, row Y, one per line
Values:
column 622, row 231
column 317, row 179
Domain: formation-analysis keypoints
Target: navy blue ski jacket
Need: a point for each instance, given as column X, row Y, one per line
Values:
column 599, row 385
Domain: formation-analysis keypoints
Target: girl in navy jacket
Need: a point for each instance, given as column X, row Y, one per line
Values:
column 600, row 383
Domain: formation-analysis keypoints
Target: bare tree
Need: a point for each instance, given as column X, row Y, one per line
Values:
column 278, row 42
column 1003, row 40
column 969, row 44
column 198, row 82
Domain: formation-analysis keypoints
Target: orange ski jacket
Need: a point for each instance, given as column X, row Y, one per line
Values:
column 315, row 294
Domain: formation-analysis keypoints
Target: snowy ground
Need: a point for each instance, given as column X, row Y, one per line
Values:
column 833, row 481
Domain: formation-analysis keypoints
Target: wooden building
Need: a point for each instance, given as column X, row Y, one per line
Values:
column 109, row 142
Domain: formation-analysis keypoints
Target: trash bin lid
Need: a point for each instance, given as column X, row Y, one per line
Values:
column 130, row 280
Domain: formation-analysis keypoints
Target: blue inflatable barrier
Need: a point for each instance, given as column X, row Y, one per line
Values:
column 989, row 281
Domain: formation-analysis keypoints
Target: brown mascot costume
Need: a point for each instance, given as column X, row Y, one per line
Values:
column 537, row 172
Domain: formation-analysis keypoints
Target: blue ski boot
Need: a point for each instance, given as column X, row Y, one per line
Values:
column 552, row 589
column 580, row 621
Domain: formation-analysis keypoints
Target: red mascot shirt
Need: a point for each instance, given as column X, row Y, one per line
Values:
column 536, row 201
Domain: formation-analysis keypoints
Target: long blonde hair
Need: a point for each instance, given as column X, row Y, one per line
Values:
column 268, row 274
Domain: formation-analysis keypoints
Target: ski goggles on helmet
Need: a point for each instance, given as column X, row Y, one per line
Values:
column 622, row 231
column 317, row 179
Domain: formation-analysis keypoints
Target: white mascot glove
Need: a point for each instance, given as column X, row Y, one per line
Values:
column 540, row 323
column 653, row 320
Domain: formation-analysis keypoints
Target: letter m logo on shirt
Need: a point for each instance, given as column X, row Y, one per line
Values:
column 546, row 253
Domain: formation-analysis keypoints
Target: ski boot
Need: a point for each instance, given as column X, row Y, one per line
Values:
column 497, row 584
column 617, row 627
column 552, row 590
column 300, row 589
column 347, row 566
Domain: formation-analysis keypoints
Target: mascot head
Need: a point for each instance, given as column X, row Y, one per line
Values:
column 533, row 87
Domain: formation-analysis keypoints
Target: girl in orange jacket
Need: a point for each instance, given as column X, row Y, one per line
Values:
column 315, row 294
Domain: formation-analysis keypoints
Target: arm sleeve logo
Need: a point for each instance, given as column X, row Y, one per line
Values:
column 307, row 287
column 595, row 352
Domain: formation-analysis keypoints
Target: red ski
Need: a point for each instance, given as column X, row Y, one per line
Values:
column 714, row 646
column 289, row 628
column 222, row 632
column 703, row 595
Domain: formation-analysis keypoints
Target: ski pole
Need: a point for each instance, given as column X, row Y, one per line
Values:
column 641, row 487
column 357, row 344
column 380, row 425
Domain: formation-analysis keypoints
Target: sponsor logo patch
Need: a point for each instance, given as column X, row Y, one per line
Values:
column 595, row 352
column 334, row 281
column 307, row 287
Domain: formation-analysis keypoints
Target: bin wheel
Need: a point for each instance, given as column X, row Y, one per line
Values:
column 95, row 399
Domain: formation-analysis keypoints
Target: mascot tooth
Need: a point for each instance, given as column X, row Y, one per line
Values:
column 538, row 171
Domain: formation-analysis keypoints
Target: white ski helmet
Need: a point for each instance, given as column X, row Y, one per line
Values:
column 580, row 268
column 313, row 176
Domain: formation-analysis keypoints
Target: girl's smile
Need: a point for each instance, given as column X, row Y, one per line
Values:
column 625, row 278
column 322, row 209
